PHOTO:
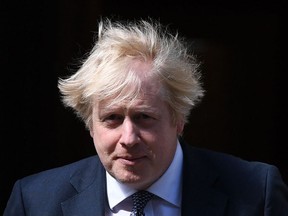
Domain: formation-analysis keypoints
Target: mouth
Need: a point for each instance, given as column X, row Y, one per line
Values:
column 131, row 161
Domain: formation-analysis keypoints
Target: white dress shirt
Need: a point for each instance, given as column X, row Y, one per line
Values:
column 168, row 191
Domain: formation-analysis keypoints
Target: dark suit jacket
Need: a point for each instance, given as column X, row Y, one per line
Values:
column 214, row 184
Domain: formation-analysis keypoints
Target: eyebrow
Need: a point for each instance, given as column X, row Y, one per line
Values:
column 139, row 108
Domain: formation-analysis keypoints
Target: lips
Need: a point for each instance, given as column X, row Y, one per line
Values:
column 130, row 161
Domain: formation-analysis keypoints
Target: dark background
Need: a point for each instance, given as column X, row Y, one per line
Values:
column 240, row 45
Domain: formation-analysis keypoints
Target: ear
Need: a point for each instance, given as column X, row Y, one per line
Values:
column 180, row 127
column 91, row 130
column 90, row 123
column 91, row 133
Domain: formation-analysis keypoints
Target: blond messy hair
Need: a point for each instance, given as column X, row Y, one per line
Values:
column 106, row 73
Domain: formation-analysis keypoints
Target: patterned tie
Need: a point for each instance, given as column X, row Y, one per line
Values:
column 140, row 200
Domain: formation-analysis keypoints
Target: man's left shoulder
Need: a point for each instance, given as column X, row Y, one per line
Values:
column 231, row 169
column 247, row 184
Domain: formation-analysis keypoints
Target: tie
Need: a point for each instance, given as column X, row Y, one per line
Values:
column 140, row 199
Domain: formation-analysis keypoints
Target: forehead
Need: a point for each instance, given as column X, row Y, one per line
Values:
column 149, row 97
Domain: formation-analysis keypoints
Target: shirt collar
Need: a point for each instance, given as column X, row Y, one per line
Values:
column 172, row 179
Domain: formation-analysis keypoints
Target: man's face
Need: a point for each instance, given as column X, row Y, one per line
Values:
column 135, row 142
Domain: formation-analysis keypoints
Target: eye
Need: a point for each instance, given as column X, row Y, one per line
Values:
column 145, row 116
column 142, row 117
column 144, row 120
column 113, row 120
column 113, row 117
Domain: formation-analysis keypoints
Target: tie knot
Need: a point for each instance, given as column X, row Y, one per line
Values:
column 140, row 200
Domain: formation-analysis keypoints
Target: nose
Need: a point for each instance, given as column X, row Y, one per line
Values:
column 129, row 133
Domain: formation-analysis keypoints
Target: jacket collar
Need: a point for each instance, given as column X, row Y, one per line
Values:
column 91, row 195
column 199, row 198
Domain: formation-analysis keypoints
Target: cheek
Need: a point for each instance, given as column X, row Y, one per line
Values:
column 104, row 141
column 157, row 142
column 166, row 142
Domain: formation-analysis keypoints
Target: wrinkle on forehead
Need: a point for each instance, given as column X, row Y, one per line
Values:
column 129, row 108
column 127, row 99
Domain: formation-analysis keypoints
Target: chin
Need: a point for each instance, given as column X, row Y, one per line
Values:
column 133, row 180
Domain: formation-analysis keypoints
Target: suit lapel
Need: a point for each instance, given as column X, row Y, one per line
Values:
column 91, row 198
column 199, row 198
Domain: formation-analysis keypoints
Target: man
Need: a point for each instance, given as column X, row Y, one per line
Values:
column 135, row 92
